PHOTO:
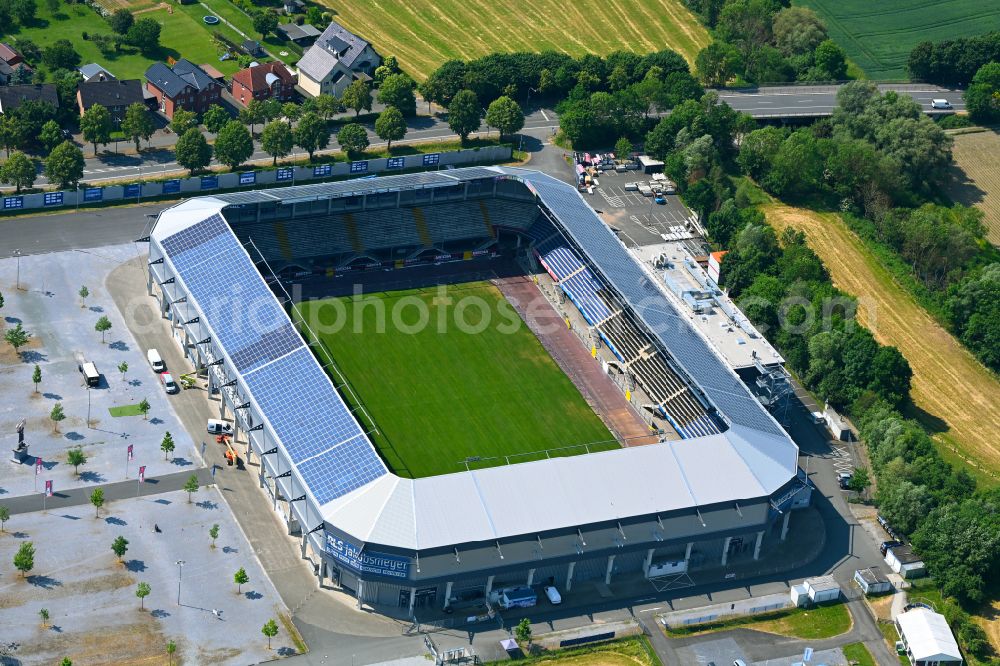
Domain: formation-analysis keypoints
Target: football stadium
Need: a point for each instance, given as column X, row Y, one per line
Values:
column 428, row 428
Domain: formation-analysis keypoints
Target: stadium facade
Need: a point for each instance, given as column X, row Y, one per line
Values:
column 719, row 492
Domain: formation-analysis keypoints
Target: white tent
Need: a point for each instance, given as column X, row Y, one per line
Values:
column 928, row 637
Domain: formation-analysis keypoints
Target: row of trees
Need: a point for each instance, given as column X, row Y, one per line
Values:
column 760, row 41
column 954, row 61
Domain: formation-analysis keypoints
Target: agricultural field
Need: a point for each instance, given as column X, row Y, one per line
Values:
column 182, row 35
column 878, row 36
column 954, row 394
column 425, row 33
column 976, row 180
column 440, row 393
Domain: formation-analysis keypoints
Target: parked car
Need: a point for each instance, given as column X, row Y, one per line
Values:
column 90, row 373
column 552, row 594
column 155, row 361
column 219, row 427
column 940, row 104
column 844, row 480
column 631, row 187
column 660, row 199
column 886, row 545
column 169, row 385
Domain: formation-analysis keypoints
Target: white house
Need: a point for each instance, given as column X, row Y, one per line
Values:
column 336, row 59
column 927, row 638
column 903, row 561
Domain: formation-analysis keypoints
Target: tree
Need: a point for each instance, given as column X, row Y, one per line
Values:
column 51, row 135
column 43, row 613
column 464, row 114
column 270, row 629
column 444, row 83
column 24, row 559
column 326, row 106
column 505, row 114
column 119, row 547
column 214, row 533
column 904, row 504
column 276, row 139
column 233, row 144
column 137, row 124
column 357, row 96
column 192, row 150
column 18, row 170
column 191, row 486
column 121, row 21
column 251, row 114
column 96, row 126
column 623, row 148
column 397, row 90
column 144, row 407
column 97, row 499
column 13, row 131
column 311, row 134
column 890, row 375
column 798, row 30
column 390, row 65
column 717, row 63
column 83, row 294
column 167, row 444
column 215, row 118
column 982, row 99
column 831, row 62
column 240, row 578
column 264, row 21
column 270, row 110
column 860, row 480
column 64, row 165
column 102, row 326
column 24, row 11
column 66, row 662
column 182, row 121
column 353, row 138
column 144, row 35
column 76, row 457
column 60, row 55
column 390, row 126
column 123, row 368
column 523, row 630
column 4, row 516
column 36, row 377
column 292, row 111
column 17, row 337
column 142, row 591
column 171, row 649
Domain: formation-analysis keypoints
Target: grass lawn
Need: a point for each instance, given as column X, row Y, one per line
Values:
column 440, row 397
column 879, row 36
column 823, row 621
column 422, row 33
column 182, row 35
column 634, row 651
column 965, row 421
column 888, row 630
column 125, row 410
column 857, row 653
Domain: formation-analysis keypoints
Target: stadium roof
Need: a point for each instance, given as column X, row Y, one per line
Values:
column 339, row 466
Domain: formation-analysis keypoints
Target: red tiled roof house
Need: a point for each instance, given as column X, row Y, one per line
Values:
column 269, row 81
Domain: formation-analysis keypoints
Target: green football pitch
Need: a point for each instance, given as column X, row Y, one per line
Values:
column 440, row 393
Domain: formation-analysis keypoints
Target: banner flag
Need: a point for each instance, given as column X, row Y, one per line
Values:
column 142, row 473
column 130, row 452
column 48, row 489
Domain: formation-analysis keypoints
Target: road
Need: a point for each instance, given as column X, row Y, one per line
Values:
column 159, row 161
column 816, row 101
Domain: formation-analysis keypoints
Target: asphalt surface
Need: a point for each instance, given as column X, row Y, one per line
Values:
column 815, row 101
column 76, row 230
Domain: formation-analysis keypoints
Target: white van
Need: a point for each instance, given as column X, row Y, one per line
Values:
column 155, row 361
column 90, row 374
column 219, row 427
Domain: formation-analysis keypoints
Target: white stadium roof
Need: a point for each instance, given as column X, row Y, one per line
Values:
column 337, row 464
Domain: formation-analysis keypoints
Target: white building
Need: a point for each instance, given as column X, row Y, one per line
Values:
column 927, row 638
column 336, row 59
column 872, row 581
column 903, row 561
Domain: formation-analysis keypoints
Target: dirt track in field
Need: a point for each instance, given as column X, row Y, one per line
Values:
column 570, row 355
column 948, row 382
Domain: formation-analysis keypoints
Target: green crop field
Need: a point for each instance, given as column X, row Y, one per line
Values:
column 488, row 390
column 878, row 36
column 425, row 33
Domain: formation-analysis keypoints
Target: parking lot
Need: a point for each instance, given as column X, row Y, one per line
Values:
column 640, row 220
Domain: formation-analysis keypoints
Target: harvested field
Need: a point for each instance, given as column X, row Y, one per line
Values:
column 958, row 396
column 422, row 33
column 976, row 177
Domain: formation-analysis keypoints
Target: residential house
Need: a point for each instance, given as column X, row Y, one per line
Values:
column 183, row 86
column 269, row 81
column 336, row 59
column 303, row 35
column 94, row 72
column 12, row 97
column 114, row 95
column 293, row 6
column 927, row 638
column 12, row 66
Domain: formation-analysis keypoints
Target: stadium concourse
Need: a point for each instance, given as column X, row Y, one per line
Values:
column 454, row 540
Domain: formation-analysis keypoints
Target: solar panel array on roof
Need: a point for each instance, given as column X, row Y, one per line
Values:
column 195, row 235
column 341, row 470
column 622, row 271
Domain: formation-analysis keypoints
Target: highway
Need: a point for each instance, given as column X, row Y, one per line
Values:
column 817, row 101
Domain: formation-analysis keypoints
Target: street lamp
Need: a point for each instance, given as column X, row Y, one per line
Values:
column 180, row 563
column 17, row 253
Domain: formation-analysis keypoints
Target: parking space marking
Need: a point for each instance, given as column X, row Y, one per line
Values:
column 613, row 200
column 843, row 460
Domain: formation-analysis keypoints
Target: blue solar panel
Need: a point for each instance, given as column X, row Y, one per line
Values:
column 195, row 235
column 271, row 345
column 305, row 411
column 341, row 470
column 218, row 249
column 620, row 269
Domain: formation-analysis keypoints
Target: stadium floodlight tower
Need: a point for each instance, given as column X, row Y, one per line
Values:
column 714, row 494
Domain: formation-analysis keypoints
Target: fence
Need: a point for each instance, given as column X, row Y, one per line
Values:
column 249, row 179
